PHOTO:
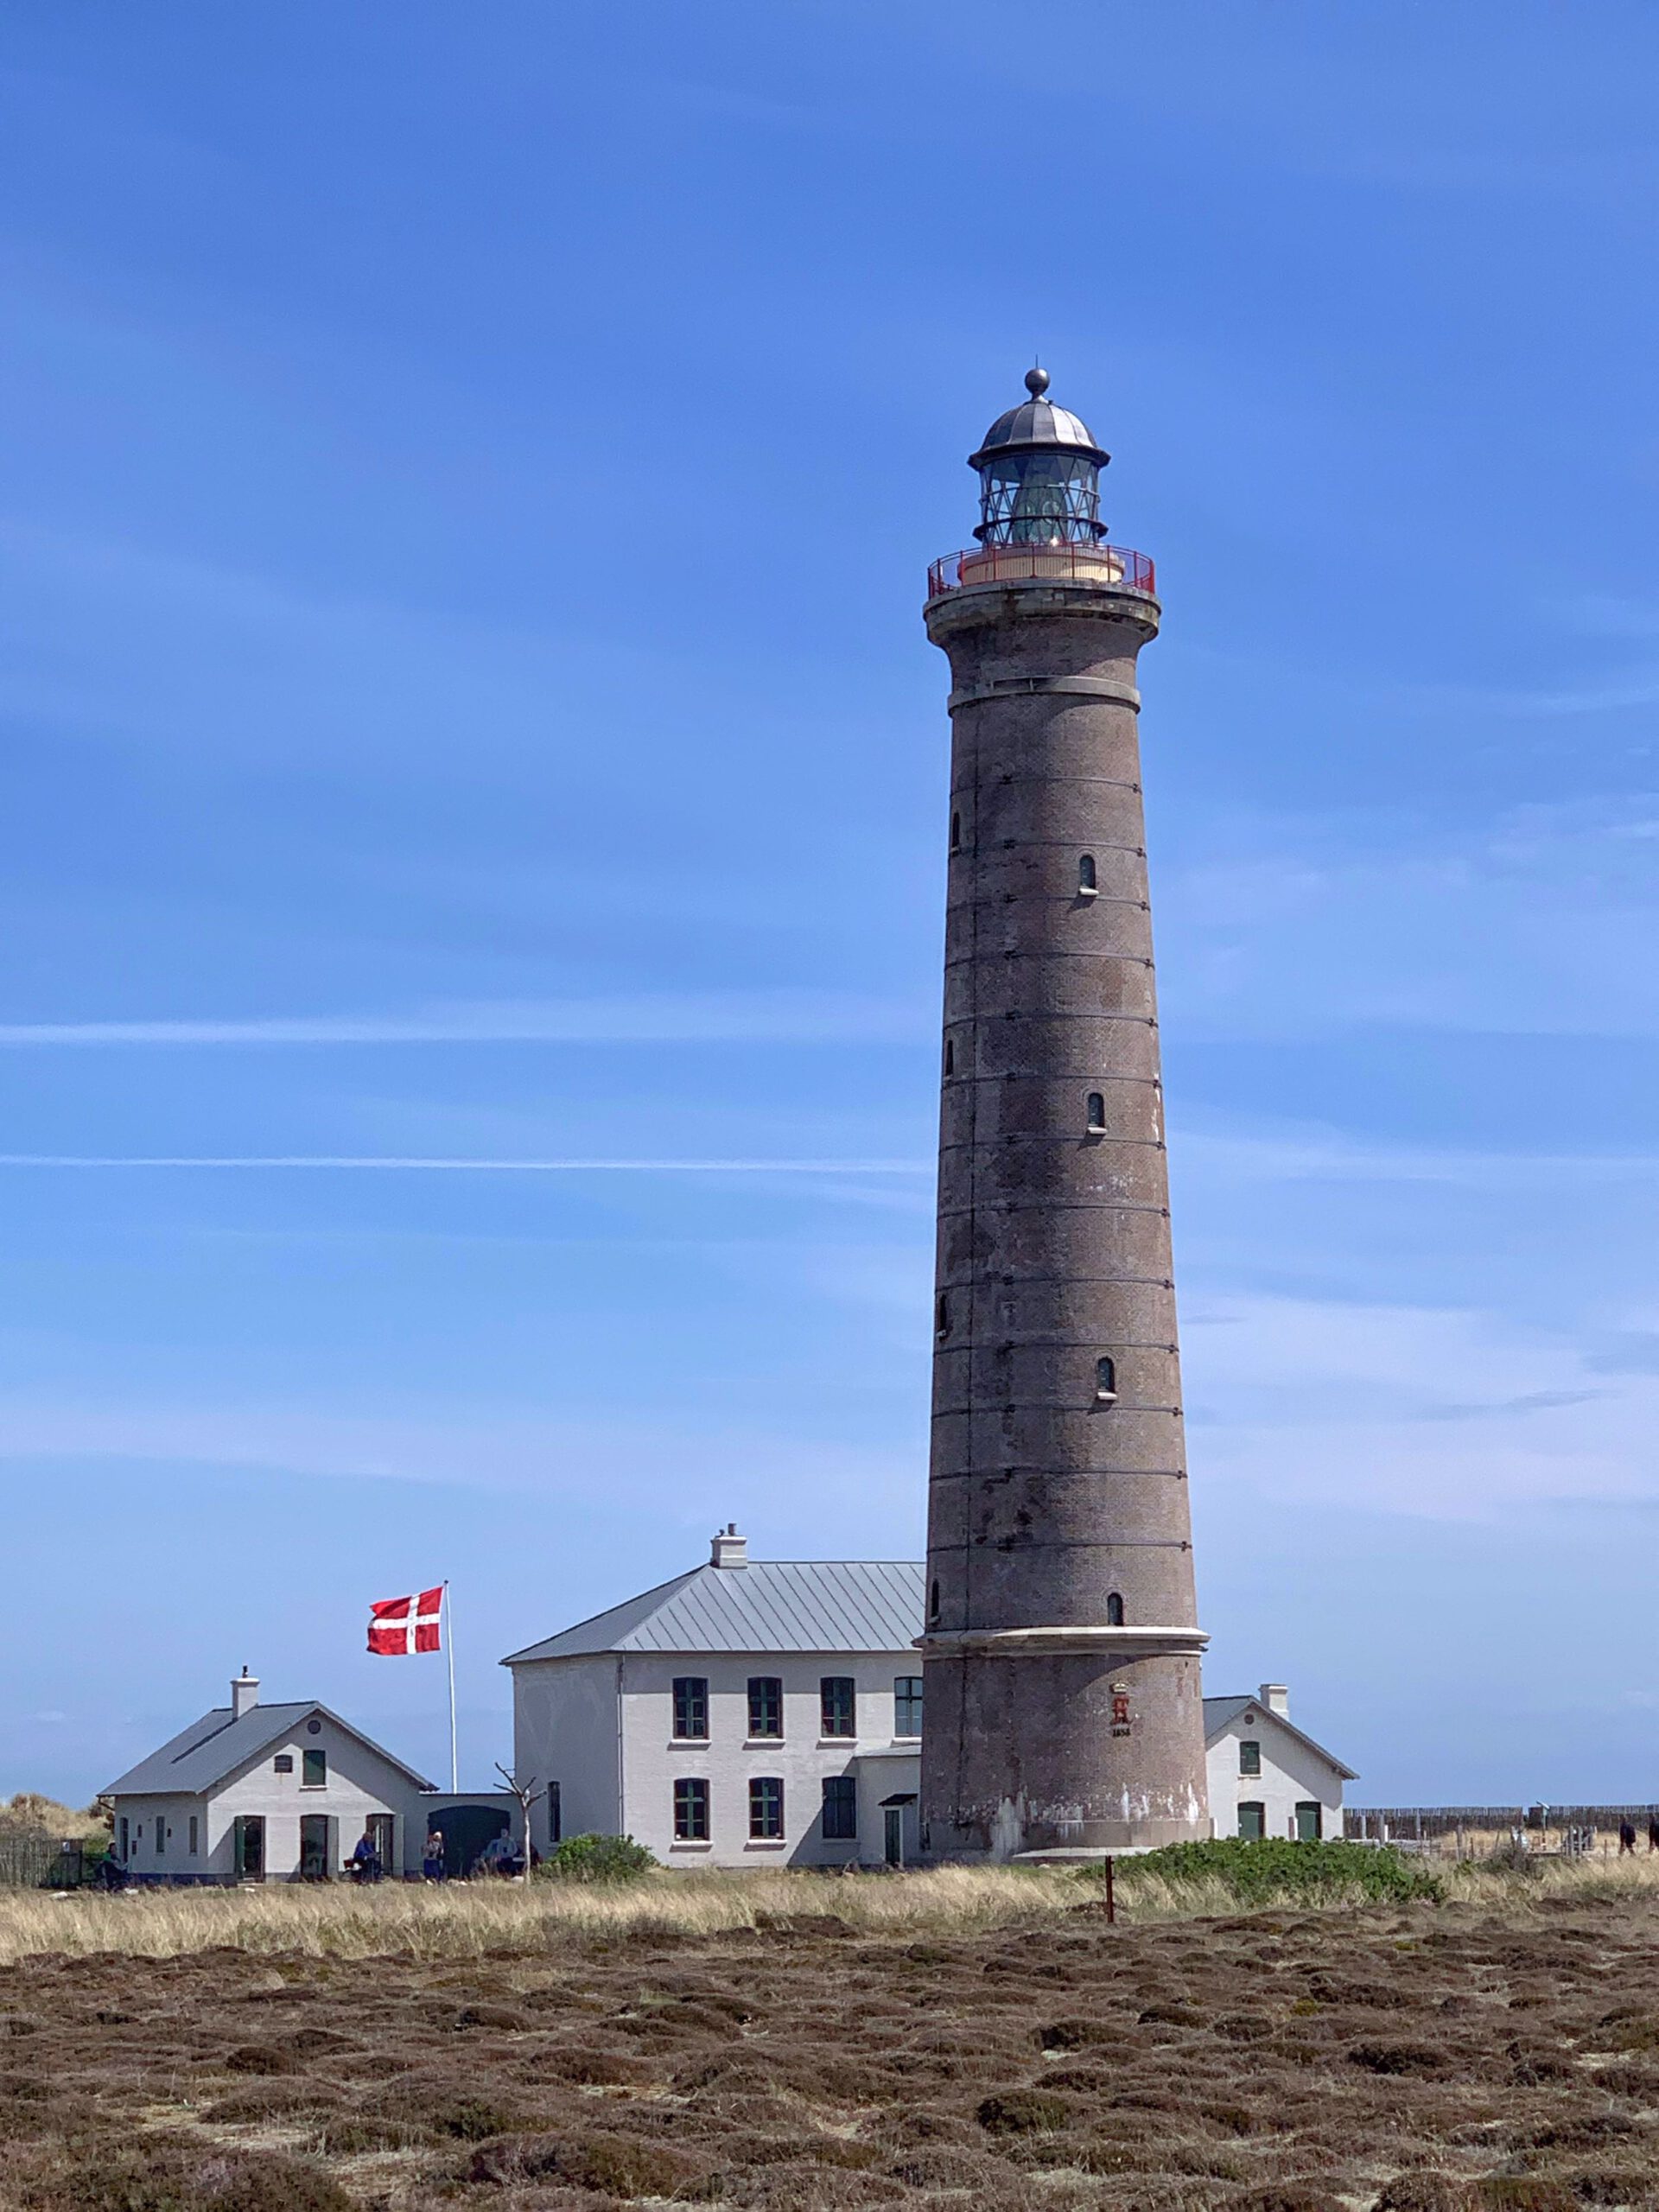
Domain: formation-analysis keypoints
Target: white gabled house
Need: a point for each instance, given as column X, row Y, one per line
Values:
column 1266, row 1778
column 751, row 1711
column 253, row 1793
column 745, row 1713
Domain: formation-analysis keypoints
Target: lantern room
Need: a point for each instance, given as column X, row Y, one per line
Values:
column 1038, row 475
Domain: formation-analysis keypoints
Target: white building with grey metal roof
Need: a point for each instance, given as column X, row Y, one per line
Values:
column 747, row 1712
column 764, row 1711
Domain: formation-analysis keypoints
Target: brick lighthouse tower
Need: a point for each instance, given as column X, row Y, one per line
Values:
column 1062, row 1645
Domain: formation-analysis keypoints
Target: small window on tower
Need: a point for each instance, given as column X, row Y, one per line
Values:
column 1114, row 1610
column 1097, row 1114
column 933, row 1602
column 1087, row 887
column 1105, row 1382
column 950, row 1056
column 956, row 833
column 942, row 1316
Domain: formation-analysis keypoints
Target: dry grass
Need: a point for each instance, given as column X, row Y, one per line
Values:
column 466, row 1920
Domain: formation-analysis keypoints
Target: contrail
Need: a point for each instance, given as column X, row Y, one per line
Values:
column 472, row 1166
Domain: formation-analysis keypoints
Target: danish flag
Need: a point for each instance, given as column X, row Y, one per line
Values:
column 398, row 1626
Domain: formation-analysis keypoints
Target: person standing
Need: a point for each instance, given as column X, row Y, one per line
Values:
column 432, row 1861
column 1627, row 1837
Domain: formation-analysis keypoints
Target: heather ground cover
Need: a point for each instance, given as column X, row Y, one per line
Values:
column 989, row 2047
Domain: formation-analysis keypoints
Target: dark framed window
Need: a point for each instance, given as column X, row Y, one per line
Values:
column 941, row 1315
column 1105, row 1382
column 1114, row 1610
column 125, row 1839
column 1249, row 1758
column 196, row 1835
column 933, row 1602
column 1087, row 884
column 765, row 1706
column 314, row 1769
column 1097, row 1121
column 691, row 1706
column 555, row 1816
column 1252, row 1822
column 950, row 1056
column 838, row 1706
column 908, row 1705
column 161, row 1838
column 840, row 1808
column 956, row 833
column 1310, row 1820
column 691, row 1810
column 282, row 1764
column 766, row 1808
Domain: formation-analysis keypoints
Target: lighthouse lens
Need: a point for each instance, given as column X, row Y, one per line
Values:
column 1040, row 498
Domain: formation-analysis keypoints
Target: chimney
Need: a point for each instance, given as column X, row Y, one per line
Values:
column 245, row 1693
column 728, row 1548
column 1276, row 1698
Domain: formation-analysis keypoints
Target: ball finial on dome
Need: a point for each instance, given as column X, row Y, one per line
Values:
column 1036, row 382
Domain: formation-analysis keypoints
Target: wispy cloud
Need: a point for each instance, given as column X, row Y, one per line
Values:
column 714, row 1017
column 1347, row 1405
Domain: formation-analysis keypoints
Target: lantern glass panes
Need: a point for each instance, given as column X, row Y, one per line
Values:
column 1051, row 498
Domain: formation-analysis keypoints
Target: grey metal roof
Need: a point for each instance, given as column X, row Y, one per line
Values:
column 812, row 1605
column 1037, row 421
column 212, row 1749
column 1220, row 1713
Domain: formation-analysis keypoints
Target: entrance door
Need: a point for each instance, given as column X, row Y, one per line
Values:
column 1307, row 1821
column 892, row 1822
column 314, row 1847
column 1252, row 1822
column 383, row 1829
column 249, row 1841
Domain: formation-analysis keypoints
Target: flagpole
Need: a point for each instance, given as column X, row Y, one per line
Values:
column 449, row 1646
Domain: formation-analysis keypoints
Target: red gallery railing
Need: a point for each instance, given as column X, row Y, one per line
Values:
column 1108, row 568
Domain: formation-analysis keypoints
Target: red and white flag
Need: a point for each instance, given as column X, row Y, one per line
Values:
column 398, row 1626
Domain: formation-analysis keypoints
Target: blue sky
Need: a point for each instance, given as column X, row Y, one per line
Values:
column 466, row 483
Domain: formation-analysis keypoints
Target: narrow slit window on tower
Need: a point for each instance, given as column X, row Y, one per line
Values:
column 942, row 1316
column 1087, row 885
column 1114, row 1610
column 1105, row 1382
column 950, row 1056
column 1097, row 1114
column 933, row 1602
column 956, row 833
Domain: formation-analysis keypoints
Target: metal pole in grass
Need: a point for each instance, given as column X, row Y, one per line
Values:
column 1111, row 1891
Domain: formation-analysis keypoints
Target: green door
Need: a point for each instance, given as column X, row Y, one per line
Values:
column 1252, row 1822
column 1307, row 1821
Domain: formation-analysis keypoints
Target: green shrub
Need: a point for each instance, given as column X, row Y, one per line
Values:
column 597, row 1858
column 1276, row 1870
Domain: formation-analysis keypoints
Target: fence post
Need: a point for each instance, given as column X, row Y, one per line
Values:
column 1111, row 1891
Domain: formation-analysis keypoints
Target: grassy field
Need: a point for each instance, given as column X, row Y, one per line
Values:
column 940, row 2043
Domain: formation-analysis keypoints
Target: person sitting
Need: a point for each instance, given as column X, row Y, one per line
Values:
column 365, row 1858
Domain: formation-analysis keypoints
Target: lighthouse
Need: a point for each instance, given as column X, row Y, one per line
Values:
column 1061, row 1648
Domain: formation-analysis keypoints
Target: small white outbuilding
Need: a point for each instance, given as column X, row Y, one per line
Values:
column 1266, row 1778
column 255, row 1793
